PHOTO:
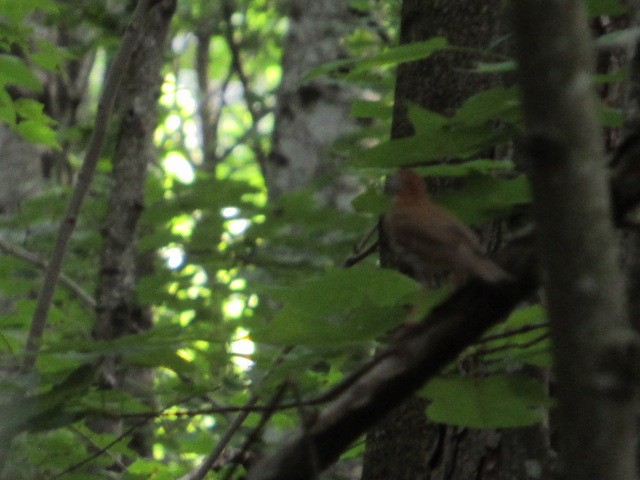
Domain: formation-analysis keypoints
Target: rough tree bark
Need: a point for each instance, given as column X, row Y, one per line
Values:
column 118, row 312
column 406, row 445
column 311, row 116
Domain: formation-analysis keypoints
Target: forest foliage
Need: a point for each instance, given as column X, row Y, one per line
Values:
column 246, row 293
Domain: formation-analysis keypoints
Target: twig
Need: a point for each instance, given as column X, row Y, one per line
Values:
column 417, row 356
column 256, row 431
column 227, row 10
column 103, row 450
column 357, row 257
column 518, row 346
column 117, row 462
column 105, row 107
column 207, row 464
column 250, row 407
column 209, row 115
column 201, row 470
column 38, row 262
column 360, row 252
column 515, row 331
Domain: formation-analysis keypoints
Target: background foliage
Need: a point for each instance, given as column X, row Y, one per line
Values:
column 246, row 293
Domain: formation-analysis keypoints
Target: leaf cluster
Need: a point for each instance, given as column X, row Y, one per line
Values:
column 248, row 293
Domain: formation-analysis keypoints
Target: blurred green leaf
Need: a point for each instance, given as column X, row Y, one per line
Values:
column 48, row 410
column 372, row 200
column 392, row 56
column 13, row 71
column 610, row 116
column 48, row 56
column 498, row 103
column 516, row 341
column 17, row 10
column 501, row 401
column 37, row 132
column 498, row 67
column 465, row 169
column 436, row 138
column 340, row 307
column 370, row 109
column 483, row 197
column 606, row 7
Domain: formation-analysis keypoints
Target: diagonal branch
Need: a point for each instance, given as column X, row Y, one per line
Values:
column 414, row 357
column 38, row 262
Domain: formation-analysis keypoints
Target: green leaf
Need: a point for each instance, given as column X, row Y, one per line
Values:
column 369, row 109
column 483, row 197
column 464, row 169
column 424, row 120
column 392, row 56
column 13, row 71
column 372, row 200
column 37, row 132
column 499, row 67
column 605, row 7
column 18, row 10
column 48, row 56
column 7, row 108
column 610, row 116
column 436, row 138
column 403, row 53
column 32, row 110
column 340, row 307
column 492, row 104
column 529, row 345
column 503, row 401
column 619, row 75
column 619, row 38
column 48, row 410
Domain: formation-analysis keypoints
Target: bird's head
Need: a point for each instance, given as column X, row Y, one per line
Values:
column 405, row 183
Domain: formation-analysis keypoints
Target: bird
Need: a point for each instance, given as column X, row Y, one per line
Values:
column 430, row 238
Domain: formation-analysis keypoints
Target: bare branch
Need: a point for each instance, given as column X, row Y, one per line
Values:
column 207, row 464
column 102, row 451
column 38, row 262
column 255, row 433
column 227, row 9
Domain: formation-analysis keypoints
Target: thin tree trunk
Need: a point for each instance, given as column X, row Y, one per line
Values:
column 118, row 312
column 597, row 402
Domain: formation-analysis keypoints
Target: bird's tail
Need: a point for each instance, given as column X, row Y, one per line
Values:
column 481, row 267
column 490, row 272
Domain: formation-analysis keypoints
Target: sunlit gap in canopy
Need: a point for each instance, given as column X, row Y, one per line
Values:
column 179, row 138
column 237, row 306
column 241, row 349
column 235, row 226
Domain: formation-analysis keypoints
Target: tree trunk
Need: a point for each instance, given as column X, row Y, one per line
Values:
column 118, row 312
column 311, row 116
column 597, row 400
column 406, row 444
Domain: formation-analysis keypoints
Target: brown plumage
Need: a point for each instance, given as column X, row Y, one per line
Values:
column 430, row 238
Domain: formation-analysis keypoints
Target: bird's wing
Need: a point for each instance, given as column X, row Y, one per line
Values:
column 412, row 233
column 434, row 225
